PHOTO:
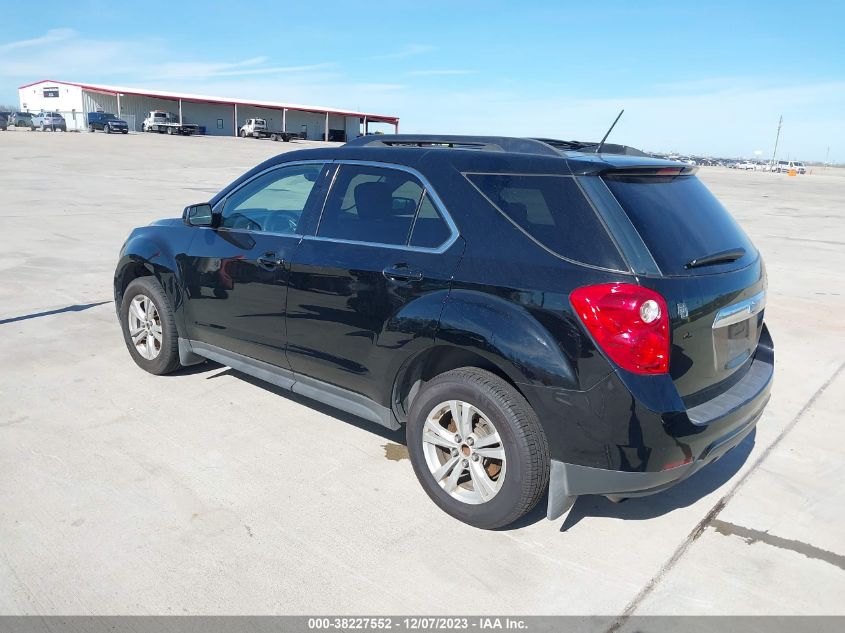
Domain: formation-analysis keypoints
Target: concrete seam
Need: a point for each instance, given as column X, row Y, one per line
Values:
column 717, row 508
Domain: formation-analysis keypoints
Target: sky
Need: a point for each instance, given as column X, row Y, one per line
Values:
column 704, row 78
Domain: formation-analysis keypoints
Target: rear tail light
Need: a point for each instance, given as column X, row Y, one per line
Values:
column 628, row 322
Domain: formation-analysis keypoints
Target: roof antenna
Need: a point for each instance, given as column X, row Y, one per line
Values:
column 618, row 116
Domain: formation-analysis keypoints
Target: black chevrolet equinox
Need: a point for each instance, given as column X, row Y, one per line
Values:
column 538, row 314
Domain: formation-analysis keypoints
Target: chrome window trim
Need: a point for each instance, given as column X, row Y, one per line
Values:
column 427, row 189
column 218, row 208
column 601, row 220
column 740, row 311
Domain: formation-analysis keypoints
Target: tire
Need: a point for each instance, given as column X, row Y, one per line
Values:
column 91, row 129
column 243, row 134
column 125, row 132
column 274, row 137
column 165, row 356
column 521, row 478
column 107, row 129
column 170, row 131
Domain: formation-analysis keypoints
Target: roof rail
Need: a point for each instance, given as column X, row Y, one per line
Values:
column 484, row 143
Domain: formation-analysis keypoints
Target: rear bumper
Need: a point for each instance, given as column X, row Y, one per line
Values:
column 567, row 481
column 699, row 436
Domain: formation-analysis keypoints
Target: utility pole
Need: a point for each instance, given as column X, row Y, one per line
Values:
column 827, row 157
column 777, row 138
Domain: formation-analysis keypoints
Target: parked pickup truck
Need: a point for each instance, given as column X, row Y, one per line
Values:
column 167, row 122
column 789, row 165
column 106, row 122
column 257, row 128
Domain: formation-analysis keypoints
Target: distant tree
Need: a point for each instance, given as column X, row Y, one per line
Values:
column 8, row 108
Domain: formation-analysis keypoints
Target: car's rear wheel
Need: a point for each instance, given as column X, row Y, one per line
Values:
column 477, row 448
column 149, row 327
column 107, row 128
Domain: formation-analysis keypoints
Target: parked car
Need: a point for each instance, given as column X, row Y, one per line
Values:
column 4, row 120
column 48, row 121
column 745, row 165
column 788, row 165
column 106, row 122
column 531, row 329
column 20, row 119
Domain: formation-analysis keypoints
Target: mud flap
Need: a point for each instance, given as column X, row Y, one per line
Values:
column 560, row 501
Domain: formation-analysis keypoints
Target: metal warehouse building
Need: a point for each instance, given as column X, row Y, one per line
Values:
column 217, row 115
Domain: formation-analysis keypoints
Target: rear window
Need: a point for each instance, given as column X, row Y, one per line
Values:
column 680, row 220
column 553, row 211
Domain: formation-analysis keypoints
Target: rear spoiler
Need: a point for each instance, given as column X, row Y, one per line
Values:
column 650, row 171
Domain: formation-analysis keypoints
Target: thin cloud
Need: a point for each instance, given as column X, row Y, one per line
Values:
column 408, row 51
column 440, row 72
column 51, row 36
column 206, row 70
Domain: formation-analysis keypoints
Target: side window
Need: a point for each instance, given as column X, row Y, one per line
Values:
column 430, row 230
column 554, row 212
column 371, row 204
column 273, row 202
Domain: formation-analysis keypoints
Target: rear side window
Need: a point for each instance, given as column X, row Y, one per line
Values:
column 679, row 221
column 553, row 211
column 371, row 204
column 430, row 230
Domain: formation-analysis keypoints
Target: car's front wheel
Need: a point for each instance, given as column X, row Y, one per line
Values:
column 149, row 327
column 477, row 448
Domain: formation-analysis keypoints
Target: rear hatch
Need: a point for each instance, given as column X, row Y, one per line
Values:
column 712, row 277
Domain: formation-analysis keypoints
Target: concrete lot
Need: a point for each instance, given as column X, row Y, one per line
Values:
column 207, row 492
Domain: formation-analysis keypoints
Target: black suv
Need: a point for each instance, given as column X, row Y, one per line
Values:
column 536, row 314
column 106, row 122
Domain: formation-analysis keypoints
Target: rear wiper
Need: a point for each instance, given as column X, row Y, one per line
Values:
column 722, row 257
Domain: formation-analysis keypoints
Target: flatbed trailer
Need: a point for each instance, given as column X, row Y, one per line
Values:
column 257, row 128
column 167, row 123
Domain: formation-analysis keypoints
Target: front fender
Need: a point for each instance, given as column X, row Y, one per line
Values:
column 157, row 251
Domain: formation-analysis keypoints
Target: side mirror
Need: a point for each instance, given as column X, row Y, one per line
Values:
column 198, row 215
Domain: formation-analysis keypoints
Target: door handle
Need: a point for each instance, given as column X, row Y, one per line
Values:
column 401, row 272
column 270, row 260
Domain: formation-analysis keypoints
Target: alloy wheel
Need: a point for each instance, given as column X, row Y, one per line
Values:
column 464, row 452
column 145, row 326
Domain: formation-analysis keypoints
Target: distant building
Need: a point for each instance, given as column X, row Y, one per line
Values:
column 218, row 115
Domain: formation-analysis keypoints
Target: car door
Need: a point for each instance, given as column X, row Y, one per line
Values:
column 366, row 288
column 236, row 272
